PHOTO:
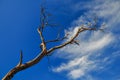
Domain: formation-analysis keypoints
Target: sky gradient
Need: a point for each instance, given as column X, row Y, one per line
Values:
column 97, row 57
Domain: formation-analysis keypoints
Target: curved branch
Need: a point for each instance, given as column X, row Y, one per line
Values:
column 21, row 67
column 71, row 40
column 30, row 63
column 41, row 55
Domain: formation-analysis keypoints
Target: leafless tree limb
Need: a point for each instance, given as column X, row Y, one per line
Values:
column 59, row 39
column 22, row 66
column 71, row 40
column 41, row 55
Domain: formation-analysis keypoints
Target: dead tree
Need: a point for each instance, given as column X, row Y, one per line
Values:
column 44, row 52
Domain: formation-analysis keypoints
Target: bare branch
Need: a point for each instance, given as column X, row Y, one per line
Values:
column 30, row 63
column 43, row 18
column 71, row 40
column 44, row 50
column 58, row 39
column 41, row 35
column 21, row 67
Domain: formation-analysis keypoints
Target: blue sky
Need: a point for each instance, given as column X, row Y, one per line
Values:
column 97, row 57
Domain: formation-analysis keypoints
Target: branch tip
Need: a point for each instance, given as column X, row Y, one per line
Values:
column 21, row 58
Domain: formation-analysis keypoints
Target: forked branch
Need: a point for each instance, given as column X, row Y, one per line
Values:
column 72, row 39
column 22, row 66
column 57, row 39
column 41, row 55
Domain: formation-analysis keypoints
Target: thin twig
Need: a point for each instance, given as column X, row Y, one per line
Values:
column 21, row 58
column 56, row 40
column 71, row 40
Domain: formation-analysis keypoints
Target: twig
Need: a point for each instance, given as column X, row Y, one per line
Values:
column 21, row 59
column 71, row 40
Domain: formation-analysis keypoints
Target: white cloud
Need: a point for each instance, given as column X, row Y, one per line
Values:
column 82, row 59
column 72, row 63
column 81, row 65
column 95, row 42
column 109, row 10
column 98, row 44
column 77, row 67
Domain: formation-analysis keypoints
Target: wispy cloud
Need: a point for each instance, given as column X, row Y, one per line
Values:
column 110, row 11
column 81, row 64
column 77, row 67
column 85, row 58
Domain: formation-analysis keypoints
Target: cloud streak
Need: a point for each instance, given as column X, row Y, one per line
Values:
column 85, row 58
